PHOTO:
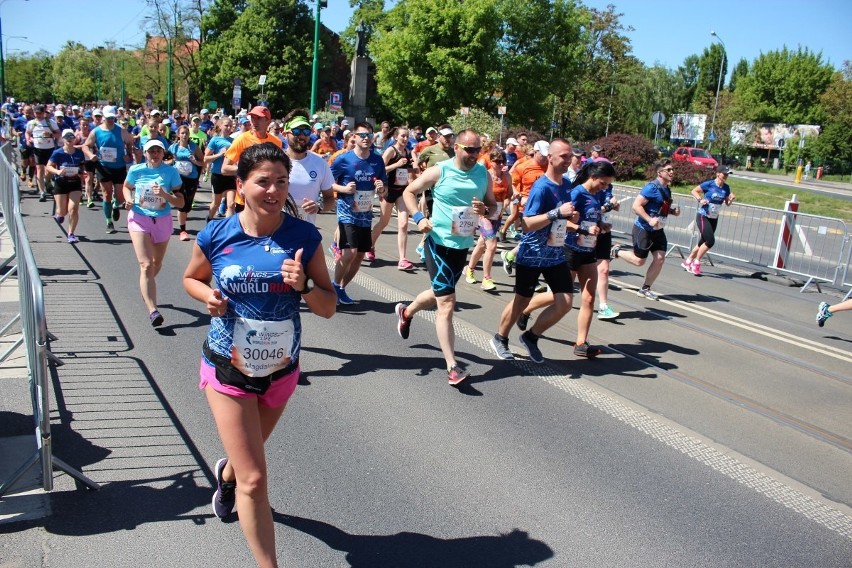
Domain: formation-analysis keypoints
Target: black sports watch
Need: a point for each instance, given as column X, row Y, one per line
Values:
column 306, row 289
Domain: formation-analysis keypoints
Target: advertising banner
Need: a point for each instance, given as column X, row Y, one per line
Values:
column 688, row 126
column 769, row 135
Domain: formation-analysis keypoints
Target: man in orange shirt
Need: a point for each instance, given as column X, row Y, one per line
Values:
column 524, row 175
column 260, row 118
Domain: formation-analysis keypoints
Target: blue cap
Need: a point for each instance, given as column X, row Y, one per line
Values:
column 87, row 114
column 244, row 120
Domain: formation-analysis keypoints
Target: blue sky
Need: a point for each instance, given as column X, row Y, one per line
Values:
column 665, row 31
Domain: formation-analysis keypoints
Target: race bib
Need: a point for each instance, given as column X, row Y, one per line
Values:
column 184, row 168
column 401, row 176
column 556, row 235
column 147, row 199
column 363, row 201
column 108, row 154
column 587, row 241
column 71, row 171
column 261, row 347
column 465, row 221
column 713, row 210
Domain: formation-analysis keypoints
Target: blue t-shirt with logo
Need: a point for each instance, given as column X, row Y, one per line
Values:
column 183, row 154
column 248, row 272
column 658, row 205
column 363, row 171
column 590, row 215
column 534, row 249
column 715, row 197
column 62, row 159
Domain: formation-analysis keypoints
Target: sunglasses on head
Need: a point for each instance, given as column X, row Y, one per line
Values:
column 300, row 131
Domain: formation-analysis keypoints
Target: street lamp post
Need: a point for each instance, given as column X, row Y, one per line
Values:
column 315, row 75
column 718, row 86
column 123, row 102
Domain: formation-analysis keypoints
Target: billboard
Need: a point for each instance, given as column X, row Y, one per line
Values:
column 688, row 126
column 769, row 135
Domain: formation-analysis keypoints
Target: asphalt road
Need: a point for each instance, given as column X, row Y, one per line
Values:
column 714, row 431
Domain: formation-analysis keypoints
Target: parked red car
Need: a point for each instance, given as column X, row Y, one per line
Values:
column 697, row 156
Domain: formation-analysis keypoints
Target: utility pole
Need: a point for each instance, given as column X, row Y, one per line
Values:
column 315, row 78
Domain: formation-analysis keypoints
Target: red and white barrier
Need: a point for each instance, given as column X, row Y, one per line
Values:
column 785, row 235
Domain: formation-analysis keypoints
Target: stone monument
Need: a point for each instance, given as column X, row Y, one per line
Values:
column 359, row 72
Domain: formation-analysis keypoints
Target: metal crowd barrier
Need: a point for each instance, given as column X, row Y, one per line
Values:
column 34, row 334
column 818, row 248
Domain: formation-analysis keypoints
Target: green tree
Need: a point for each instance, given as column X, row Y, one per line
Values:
column 740, row 71
column 708, row 75
column 237, row 33
column 29, row 77
column 784, row 86
column 835, row 140
column 456, row 66
column 76, row 73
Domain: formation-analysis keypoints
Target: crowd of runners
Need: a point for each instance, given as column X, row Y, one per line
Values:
column 259, row 255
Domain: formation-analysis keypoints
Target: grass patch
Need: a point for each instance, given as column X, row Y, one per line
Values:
column 773, row 196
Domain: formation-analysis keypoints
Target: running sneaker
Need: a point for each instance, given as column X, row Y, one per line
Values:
column 403, row 324
column 532, row 347
column 508, row 262
column 30, row 183
column 421, row 252
column 686, row 265
column 156, row 319
column 116, row 211
column 586, row 350
column 523, row 321
column 823, row 314
column 110, row 230
column 225, row 496
column 72, row 238
column 371, row 255
column 488, row 284
column 468, row 275
column 342, row 296
column 43, row 197
column 501, row 348
column 539, row 288
column 456, row 375
column 696, row 268
column 607, row 313
column 59, row 219
column 184, row 236
column 334, row 251
column 90, row 204
column 613, row 252
column 404, row 264
column 646, row 293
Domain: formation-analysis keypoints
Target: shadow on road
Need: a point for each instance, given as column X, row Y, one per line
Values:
column 414, row 550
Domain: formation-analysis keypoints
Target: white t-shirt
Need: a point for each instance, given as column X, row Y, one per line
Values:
column 42, row 133
column 308, row 177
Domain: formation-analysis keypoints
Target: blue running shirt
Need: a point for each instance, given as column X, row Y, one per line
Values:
column 349, row 167
column 590, row 215
column 534, row 249
column 715, row 197
column 263, row 312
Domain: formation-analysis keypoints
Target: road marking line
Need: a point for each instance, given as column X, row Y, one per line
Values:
column 694, row 448
column 754, row 327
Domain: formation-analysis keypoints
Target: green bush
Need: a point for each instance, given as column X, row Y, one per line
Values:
column 688, row 174
column 630, row 154
column 479, row 120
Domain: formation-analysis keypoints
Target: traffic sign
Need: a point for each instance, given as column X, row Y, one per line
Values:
column 238, row 82
column 262, row 80
column 465, row 111
column 711, row 137
column 501, row 110
column 335, row 101
column 236, row 103
column 658, row 118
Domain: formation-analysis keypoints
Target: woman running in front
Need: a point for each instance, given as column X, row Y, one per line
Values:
column 252, row 270
column 710, row 195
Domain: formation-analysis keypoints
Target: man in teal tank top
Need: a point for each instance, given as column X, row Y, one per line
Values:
column 111, row 148
column 462, row 194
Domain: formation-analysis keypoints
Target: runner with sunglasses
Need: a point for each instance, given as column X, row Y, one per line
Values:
column 310, row 175
column 652, row 206
column 462, row 193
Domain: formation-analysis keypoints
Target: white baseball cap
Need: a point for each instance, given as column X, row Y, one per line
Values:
column 110, row 112
column 542, row 147
column 512, row 141
column 153, row 143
